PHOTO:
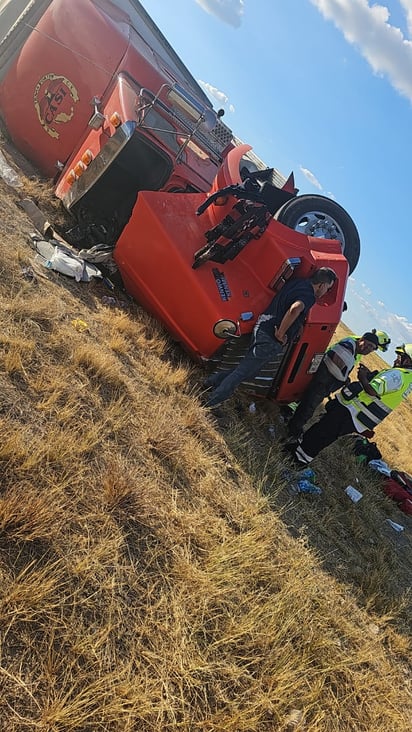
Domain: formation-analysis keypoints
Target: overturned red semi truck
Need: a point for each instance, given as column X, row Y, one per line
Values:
column 203, row 233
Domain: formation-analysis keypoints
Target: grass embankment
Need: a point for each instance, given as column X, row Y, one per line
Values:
column 155, row 573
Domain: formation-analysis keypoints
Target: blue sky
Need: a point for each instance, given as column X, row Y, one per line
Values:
column 323, row 88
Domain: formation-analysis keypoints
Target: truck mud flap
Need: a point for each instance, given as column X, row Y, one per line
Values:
column 261, row 385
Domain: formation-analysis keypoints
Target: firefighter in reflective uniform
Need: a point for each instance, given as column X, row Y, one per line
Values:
column 361, row 406
column 332, row 374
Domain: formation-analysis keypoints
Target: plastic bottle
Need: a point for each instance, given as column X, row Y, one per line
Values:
column 307, row 474
column 305, row 486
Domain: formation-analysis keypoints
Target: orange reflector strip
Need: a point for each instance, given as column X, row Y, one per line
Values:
column 115, row 119
column 87, row 157
column 71, row 177
column 80, row 167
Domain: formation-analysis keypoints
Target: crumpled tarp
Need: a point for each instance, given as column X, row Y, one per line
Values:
column 54, row 255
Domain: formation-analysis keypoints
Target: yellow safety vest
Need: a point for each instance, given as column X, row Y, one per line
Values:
column 393, row 386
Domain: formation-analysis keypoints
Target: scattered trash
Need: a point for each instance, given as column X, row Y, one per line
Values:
column 109, row 284
column 302, row 482
column 290, row 475
column 380, row 466
column 306, row 486
column 307, row 474
column 80, row 325
column 9, row 175
column 61, row 259
column 395, row 526
column 252, row 408
column 107, row 300
column 353, row 493
column 66, row 264
column 272, row 430
column 28, row 274
column 100, row 254
column 113, row 302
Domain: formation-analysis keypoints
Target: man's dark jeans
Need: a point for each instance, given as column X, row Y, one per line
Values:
column 263, row 349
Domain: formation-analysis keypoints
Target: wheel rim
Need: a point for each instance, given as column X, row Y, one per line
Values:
column 321, row 226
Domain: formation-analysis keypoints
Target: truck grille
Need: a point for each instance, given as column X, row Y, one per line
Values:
column 222, row 133
column 218, row 139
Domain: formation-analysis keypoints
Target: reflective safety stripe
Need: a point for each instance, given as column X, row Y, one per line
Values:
column 366, row 415
column 302, row 456
column 340, row 359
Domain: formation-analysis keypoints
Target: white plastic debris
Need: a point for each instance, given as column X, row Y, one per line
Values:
column 66, row 264
column 9, row 175
column 395, row 526
column 252, row 408
column 380, row 466
column 353, row 493
column 62, row 259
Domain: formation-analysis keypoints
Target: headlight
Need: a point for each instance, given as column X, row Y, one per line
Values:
column 225, row 329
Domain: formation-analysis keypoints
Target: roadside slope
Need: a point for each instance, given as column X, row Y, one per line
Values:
column 153, row 573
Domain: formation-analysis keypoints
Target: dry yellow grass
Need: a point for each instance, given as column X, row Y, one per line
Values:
column 155, row 573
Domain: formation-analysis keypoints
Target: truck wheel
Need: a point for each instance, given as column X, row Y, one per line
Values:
column 321, row 217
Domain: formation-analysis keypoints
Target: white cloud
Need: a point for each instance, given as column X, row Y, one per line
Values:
column 407, row 5
column 403, row 322
column 363, row 314
column 310, row 177
column 217, row 95
column 366, row 305
column 383, row 45
column 229, row 11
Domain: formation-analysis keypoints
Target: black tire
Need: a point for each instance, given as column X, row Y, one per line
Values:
column 323, row 218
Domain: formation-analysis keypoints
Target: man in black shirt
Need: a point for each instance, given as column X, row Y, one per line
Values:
column 277, row 326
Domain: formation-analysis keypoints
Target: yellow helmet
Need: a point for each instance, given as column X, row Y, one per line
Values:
column 383, row 339
column 404, row 350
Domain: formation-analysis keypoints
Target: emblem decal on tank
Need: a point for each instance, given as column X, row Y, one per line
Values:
column 54, row 101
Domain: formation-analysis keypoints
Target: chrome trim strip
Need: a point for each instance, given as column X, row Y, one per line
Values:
column 99, row 165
